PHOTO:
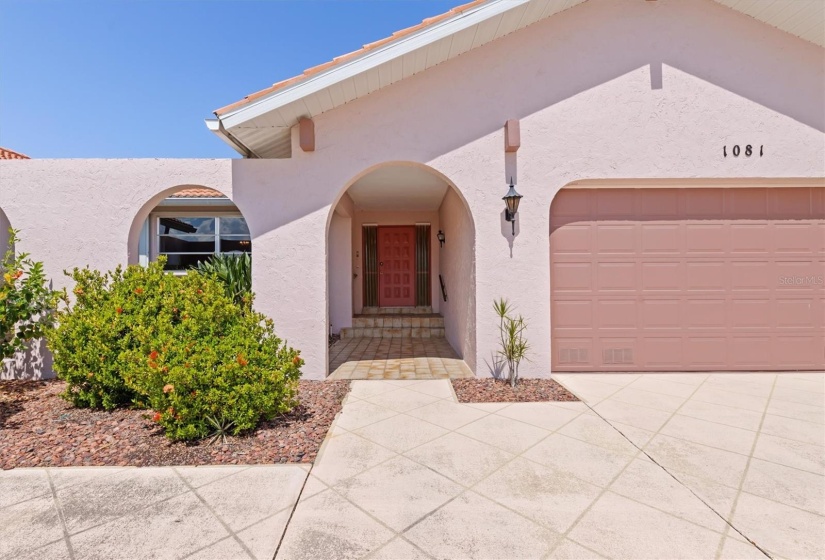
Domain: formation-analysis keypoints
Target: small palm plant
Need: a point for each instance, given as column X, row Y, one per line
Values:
column 514, row 346
column 234, row 271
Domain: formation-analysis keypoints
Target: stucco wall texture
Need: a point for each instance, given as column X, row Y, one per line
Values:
column 609, row 90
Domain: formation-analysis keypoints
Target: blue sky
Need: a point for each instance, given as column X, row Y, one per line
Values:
column 124, row 78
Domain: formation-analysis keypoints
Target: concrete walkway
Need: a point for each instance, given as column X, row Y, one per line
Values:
column 218, row 513
column 662, row 466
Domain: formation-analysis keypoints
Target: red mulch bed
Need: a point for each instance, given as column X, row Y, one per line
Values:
column 490, row 390
column 39, row 429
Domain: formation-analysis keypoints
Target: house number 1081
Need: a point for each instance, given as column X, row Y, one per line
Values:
column 737, row 151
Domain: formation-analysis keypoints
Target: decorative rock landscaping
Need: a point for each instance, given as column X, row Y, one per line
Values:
column 39, row 429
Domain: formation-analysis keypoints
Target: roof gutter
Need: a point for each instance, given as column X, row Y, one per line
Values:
column 216, row 126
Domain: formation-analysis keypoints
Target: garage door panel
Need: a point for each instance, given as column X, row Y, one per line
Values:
column 664, row 239
column 574, row 315
column 662, row 276
column 573, row 239
column 707, row 351
column 613, row 204
column 660, row 203
column 796, row 313
column 750, row 314
column 688, row 279
column 614, row 239
column 751, row 276
column 797, row 238
column 701, row 314
column 748, row 204
column 799, row 351
column 661, row 314
column 705, row 239
column 749, row 239
column 704, row 203
column 572, row 277
column 751, row 352
column 662, row 353
column 791, row 203
column 616, row 277
column 618, row 353
column 706, row 276
column 616, row 314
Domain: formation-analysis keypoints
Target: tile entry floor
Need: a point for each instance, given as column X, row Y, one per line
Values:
column 395, row 358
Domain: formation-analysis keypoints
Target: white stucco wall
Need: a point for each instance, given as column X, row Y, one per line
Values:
column 457, row 265
column 4, row 232
column 610, row 89
column 340, row 259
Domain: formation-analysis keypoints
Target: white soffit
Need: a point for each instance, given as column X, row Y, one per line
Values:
column 803, row 18
column 399, row 187
column 261, row 126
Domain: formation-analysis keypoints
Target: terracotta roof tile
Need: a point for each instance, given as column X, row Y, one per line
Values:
column 199, row 192
column 343, row 58
column 5, row 153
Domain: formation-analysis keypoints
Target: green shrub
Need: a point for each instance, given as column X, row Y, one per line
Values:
column 95, row 331
column 176, row 344
column 26, row 301
column 233, row 271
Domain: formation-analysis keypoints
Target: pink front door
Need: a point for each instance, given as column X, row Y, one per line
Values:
column 396, row 266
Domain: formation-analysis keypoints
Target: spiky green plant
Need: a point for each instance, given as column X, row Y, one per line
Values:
column 233, row 271
column 514, row 345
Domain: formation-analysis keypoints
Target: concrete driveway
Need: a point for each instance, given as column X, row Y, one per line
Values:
column 648, row 466
column 695, row 466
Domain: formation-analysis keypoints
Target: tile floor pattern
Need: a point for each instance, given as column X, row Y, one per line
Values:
column 114, row 513
column 395, row 358
column 407, row 472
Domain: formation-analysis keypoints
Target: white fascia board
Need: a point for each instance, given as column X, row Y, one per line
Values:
column 368, row 61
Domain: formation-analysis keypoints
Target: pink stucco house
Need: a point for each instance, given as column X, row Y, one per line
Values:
column 670, row 154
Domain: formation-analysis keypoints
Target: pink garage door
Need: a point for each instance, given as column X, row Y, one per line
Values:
column 688, row 279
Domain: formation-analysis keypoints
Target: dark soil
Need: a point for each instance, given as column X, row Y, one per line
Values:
column 489, row 390
column 39, row 429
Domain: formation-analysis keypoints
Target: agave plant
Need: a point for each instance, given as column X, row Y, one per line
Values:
column 234, row 271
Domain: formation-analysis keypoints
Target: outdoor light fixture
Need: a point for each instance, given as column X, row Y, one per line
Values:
column 440, row 237
column 511, row 199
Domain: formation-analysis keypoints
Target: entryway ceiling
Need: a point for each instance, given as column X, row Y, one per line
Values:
column 398, row 188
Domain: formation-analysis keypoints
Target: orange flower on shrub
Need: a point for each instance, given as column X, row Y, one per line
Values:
column 241, row 360
column 296, row 361
column 156, row 417
column 17, row 274
column 168, row 388
column 138, row 291
column 78, row 291
column 153, row 355
column 119, row 310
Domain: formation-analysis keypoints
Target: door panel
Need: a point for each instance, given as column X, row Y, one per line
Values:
column 396, row 266
column 688, row 279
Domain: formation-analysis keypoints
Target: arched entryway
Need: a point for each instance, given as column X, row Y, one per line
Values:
column 401, row 276
column 187, row 224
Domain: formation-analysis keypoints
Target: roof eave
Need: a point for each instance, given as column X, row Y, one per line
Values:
column 365, row 62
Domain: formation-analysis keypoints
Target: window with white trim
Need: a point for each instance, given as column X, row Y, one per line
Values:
column 188, row 240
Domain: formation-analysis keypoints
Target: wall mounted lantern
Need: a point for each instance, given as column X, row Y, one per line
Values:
column 440, row 237
column 511, row 199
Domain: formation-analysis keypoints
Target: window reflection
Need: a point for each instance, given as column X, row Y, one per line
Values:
column 187, row 240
